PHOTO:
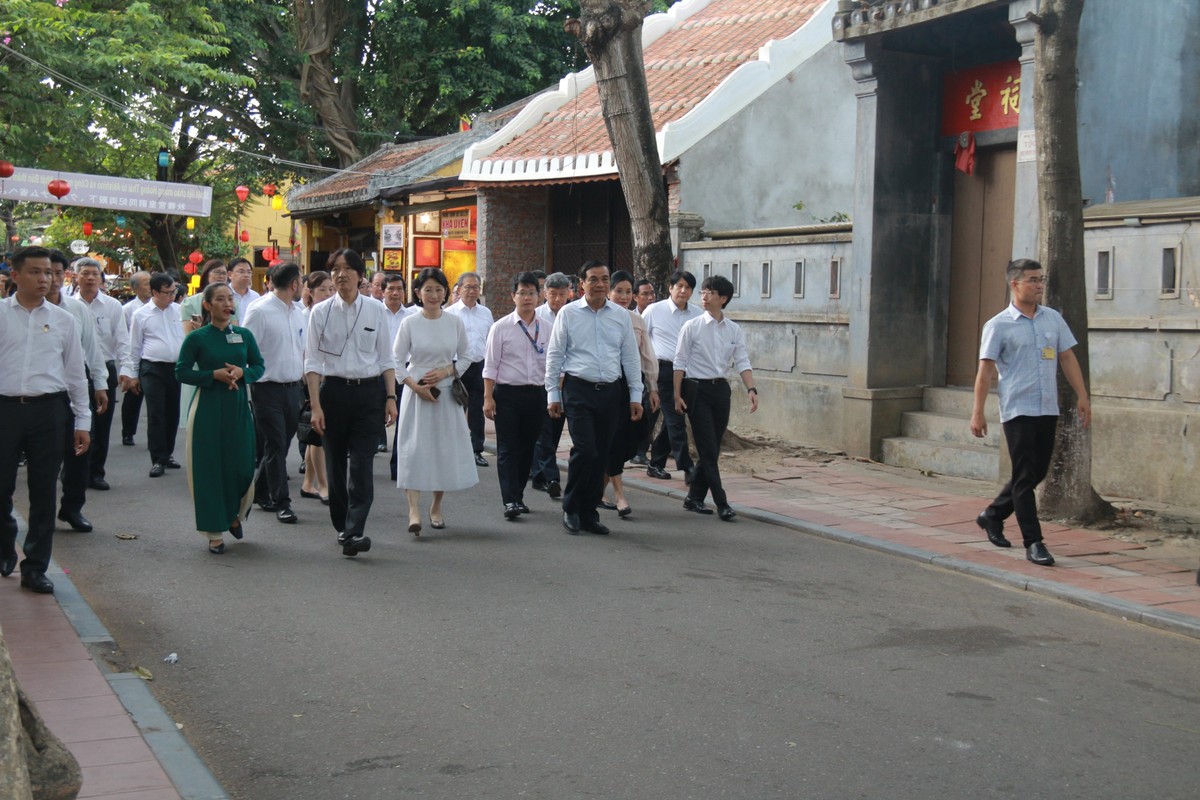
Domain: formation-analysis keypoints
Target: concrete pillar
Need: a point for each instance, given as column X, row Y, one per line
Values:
column 1026, row 223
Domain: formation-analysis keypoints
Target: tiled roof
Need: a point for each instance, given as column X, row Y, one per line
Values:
column 351, row 186
column 688, row 52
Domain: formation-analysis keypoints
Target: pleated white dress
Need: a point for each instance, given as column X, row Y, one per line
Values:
column 433, row 449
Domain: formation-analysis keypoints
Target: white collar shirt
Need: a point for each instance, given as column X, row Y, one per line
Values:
column 242, row 301
column 478, row 319
column 40, row 353
column 156, row 335
column 278, row 327
column 113, row 333
column 545, row 314
column 394, row 319
column 707, row 347
column 663, row 321
column 348, row 340
column 93, row 357
column 516, row 353
column 127, row 310
column 592, row 345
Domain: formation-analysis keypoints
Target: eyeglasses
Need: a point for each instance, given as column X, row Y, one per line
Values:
column 526, row 294
column 1034, row 281
column 170, row 291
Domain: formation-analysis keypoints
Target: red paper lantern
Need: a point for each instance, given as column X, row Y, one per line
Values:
column 269, row 253
column 245, row 236
column 87, row 229
column 196, row 257
column 189, row 268
column 6, row 169
column 59, row 188
column 268, row 189
column 242, row 193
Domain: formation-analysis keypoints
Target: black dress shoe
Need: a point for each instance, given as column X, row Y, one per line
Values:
column 127, row 441
column 658, row 472
column 639, row 459
column 726, row 513
column 994, row 530
column 524, row 509
column 571, row 522
column 1038, row 554
column 77, row 521
column 99, row 484
column 607, row 506
column 688, row 475
column 539, row 484
column 381, row 448
column 286, row 515
column 38, row 582
column 266, row 505
column 157, row 470
column 480, row 461
column 171, row 463
column 554, row 489
column 511, row 511
column 7, row 565
column 695, row 505
column 597, row 527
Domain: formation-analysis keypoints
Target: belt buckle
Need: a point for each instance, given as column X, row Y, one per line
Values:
column 23, row 400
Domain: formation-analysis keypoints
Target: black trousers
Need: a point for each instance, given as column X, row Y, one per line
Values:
column 473, row 380
column 672, row 438
column 520, row 415
column 131, row 409
column 1030, row 445
column 592, row 411
column 162, row 408
column 102, row 426
column 276, row 415
column 545, row 452
column 709, row 414
column 76, row 468
column 37, row 429
column 352, row 415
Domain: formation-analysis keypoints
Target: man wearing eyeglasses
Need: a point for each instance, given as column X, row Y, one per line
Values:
column 478, row 320
column 1025, row 344
column 155, row 336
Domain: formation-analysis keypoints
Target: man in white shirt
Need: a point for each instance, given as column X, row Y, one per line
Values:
column 241, row 275
column 112, row 335
column 545, row 475
column 77, row 467
column 394, row 293
column 149, row 367
column 131, row 402
column 34, row 392
column 346, row 344
column 707, row 346
column 663, row 321
column 592, row 342
column 478, row 320
column 278, row 326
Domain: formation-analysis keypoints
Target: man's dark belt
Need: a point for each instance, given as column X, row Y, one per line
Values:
column 592, row 384
column 374, row 379
column 284, row 384
column 706, row 381
column 41, row 398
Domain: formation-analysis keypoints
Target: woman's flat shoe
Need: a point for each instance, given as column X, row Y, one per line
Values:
column 310, row 495
column 624, row 512
column 608, row 506
column 437, row 523
column 324, row 501
column 414, row 528
column 218, row 550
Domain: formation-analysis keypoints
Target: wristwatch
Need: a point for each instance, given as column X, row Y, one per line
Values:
column 391, row 397
column 752, row 390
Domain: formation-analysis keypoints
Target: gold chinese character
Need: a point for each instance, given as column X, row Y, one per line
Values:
column 974, row 98
column 1010, row 96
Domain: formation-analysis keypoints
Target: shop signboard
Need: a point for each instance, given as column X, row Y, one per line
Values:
column 456, row 224
column 983, row 98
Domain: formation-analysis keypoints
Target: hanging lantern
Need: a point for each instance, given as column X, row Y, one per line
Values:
column 6, row 169
column 191, row 223
column 245, row 236
column 87, row 229
column 275, row 262
column 277, row 202
column 315, row 229
column 196, row 257
column 269, row 253
column 120, row 220
column 59, row 188
column 189, row 268
column 242, row 193
column 268, row 189
column 14, row 238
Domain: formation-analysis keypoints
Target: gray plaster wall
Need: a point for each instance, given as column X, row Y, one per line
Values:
column 1139, row 98
column 795, row 143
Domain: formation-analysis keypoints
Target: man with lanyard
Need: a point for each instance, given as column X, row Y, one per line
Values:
column 77, row 466
column 514, row 394
column 591, row 344
column 545, row 475
column 663, row 321
column 1024, row 344
column 278, row 327
column 41, row 366
column 394, row 294
column 112, row 336
column 154, row 341
column 347, row 345
column 478, row 320
column 131, row 402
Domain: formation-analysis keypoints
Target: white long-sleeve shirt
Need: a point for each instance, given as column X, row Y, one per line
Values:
column 40, row 353
column 156, row 335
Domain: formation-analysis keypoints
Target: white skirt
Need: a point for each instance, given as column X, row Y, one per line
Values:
column 433, row 448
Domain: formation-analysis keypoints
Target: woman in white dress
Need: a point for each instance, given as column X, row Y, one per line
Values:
column 433, row 448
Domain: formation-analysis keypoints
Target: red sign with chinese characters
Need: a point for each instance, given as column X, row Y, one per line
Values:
column 985, row 98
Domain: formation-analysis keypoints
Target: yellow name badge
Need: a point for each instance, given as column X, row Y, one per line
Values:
column 1048, row 353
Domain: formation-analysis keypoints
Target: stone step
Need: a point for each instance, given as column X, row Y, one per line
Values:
column 943, row 458
column 938, row 427
column 958, row 400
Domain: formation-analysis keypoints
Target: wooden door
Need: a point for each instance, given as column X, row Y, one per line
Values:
column 981, row 247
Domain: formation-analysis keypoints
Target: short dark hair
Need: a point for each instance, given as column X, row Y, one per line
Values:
column 721, row 285
column 620, row 275
column 431, row 274
column 1016, row 269
column 59, row 257
column 240, row 260
column 683, row 275
column 26, row 253
column 637, row 287
column 591, row 264
column 315, row 279
column 160, row 281
column 393, row 277
column 353, row 260
column 537, row 273
column 283, row 274
column 209, row 266
column 525, row 279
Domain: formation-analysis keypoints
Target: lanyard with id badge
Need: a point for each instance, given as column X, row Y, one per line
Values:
column 1049, row 352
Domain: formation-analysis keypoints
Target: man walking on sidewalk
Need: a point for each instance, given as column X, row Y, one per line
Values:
column 478, row 319
column 131, row 401
column 1025, row 343
column 112, row 335
column 663, row 321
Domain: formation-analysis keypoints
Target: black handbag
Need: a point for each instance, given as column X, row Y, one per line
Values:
column 305, row 432
column 459, row 390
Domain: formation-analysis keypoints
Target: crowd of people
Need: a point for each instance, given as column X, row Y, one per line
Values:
column 338, row 358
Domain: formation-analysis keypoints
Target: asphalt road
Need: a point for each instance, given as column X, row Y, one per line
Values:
column 678, row 658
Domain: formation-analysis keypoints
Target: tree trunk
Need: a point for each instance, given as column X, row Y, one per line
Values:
column 317, row 22
column 611, row 34
column 1067, row 491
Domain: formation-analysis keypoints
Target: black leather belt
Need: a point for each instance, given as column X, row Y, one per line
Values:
column 41, row 398
column 284, row 384
column 714, row 381
column 374, row 379
column 591, row 384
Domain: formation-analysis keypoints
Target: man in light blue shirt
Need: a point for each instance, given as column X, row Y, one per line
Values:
column 592, row 343
column 1025, row 343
